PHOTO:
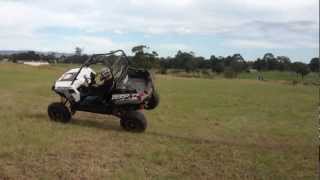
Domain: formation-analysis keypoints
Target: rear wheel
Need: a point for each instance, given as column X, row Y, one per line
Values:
column 133, row 121
column 153, row 102
column 59, row 112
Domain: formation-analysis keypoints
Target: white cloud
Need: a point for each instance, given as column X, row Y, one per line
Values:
column 247, row 23
column 96, row 44
column 162, row 3
column 174, row 47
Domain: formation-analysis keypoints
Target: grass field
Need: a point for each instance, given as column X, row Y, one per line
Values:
column 203, row 129
column 284, row 76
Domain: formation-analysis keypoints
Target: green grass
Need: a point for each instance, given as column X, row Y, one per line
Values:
column 203, row 129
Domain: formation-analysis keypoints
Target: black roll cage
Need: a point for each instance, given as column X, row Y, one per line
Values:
column 92, row 57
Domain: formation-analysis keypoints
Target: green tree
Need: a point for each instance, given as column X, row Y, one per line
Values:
column 272, row 62
column 78, row 51
column 142, row 59
column 186, row 61
column 314, row 64
column 26, row 56
column 300, row 68
column 139, row 49
column 260, row 64
column 238, row 64
column 284, row 63
column 217, row 64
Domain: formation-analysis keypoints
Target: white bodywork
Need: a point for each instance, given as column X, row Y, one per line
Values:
column 64, row 83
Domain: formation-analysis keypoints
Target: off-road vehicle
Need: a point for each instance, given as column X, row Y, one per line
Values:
column 116, row 89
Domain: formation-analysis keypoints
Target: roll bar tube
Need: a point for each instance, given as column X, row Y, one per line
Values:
column 89, row 61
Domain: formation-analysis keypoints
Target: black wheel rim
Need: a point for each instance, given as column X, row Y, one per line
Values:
column 131, row 125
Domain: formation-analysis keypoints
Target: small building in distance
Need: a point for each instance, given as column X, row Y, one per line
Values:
column 34, row 63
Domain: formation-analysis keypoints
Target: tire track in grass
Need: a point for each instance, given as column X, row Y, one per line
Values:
column 197, row 140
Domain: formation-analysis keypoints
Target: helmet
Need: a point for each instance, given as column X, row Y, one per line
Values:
column 105, row 74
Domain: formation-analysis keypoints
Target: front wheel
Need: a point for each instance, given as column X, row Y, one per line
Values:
column 59, row 112
column 133, row 121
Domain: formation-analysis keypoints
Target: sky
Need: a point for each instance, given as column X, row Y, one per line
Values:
column 206, row 27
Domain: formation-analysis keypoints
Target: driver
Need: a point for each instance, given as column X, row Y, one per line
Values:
column 105, row 85
column 105, row 74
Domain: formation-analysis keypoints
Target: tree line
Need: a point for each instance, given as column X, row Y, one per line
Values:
column 187, row 61
column 231, row 65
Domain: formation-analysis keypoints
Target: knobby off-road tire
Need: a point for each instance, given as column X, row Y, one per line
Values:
column 153, row 101
column 133, row 121
column 59, row 112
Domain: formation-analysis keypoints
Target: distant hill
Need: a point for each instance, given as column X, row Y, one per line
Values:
column 9, row 52
column 56, row 54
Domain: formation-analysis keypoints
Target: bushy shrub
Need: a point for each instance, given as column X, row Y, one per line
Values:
column 229, row 73
column 163, row 71
column 295, row 82
column 205, row 72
